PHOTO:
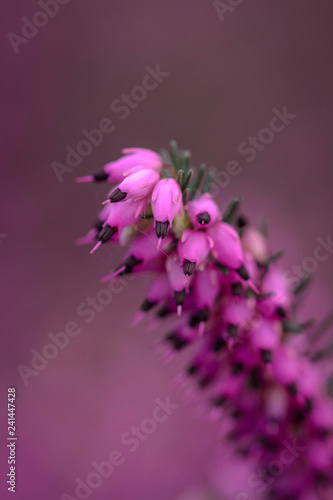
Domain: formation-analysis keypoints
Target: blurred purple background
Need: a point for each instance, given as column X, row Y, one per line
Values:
column 225, row 78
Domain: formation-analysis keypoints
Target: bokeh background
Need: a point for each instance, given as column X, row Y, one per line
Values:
column 225, row 78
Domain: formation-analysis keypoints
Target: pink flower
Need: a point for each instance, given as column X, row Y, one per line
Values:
column 206, row 287
column 178, row 281
column 120, row 215
column 256, row 244
column 92, row 234
column 193, row 248
column 136, row 185
column 275, row 283
column 135, row 159
column 166, row 203
column 203, row 212
column 227, row 248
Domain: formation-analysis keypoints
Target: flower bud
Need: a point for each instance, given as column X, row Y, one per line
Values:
column 227, row 247
column 166, row 202
column 193, row 248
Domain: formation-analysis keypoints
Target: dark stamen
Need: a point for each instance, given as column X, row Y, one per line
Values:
column 188, row 267
column 163, row 311
column 237, row 368
column 106, row 233
column 201, row 316
column 232, row 330
column 292, row 389
column 243, row 272
column 205, row 381
column 161, row 229
column 255, row 378
column 266, row 355
column 204, row 218
column 281, row 312
column 100, row 176
column 236, row 289
column 180, row 297
column 147, row 305
column 117, row 195
column 219, row 344
column 192, row 370
column 219, row 401
column 99, row 225
column 129, row 264
column 177, row 342
column 242, row 221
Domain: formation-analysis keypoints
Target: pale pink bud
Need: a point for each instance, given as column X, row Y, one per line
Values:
column 166, row 202
column 266, row 334
column 206, row 287
column 178, row 281
column 193, row 249
column 274, row 282
column 227, row 247
column 256, row 244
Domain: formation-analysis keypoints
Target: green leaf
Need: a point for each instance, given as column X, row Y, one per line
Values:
column 291, row 326
column 174, row 154
column 222, row 268
column 230, row 212
column 180, row 177
column 198, row 178
column 187, row 195
column 166, row 173
column 185, row 160
column 187, row 179
column 208, row 182
column 302, row 285
column 274, row 257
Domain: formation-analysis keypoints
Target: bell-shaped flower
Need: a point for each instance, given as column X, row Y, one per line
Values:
column 159, row 290
column 238, row 311
column 227, row 248
column 178, row 282
column 203, row 212
column 166, row 203
column 120, row 215
column 266, row 336
column 256, row 244
column 142, row 254
column 193, row 249
column 136, row 185
column 92, row 234
column 134, row 159
column 275, row 284
column 206, row 287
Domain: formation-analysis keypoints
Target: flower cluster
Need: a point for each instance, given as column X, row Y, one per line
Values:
column 232, row 306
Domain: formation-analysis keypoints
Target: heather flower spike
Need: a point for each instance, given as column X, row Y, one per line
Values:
column 214, row 273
